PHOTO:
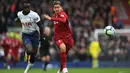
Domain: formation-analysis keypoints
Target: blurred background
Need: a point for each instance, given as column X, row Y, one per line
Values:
column 85, row 18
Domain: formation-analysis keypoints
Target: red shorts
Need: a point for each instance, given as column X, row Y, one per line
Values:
column 14, row 53
column 69, row 42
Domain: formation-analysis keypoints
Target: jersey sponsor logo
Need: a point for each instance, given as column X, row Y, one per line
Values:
column 62, row 15
column 27, row 24
column 59, row 41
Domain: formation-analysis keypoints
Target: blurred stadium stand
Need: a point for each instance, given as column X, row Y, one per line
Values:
column 85, row 16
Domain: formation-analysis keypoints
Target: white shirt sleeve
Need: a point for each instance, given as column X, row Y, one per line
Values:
column 18, row 14
column 36, row 17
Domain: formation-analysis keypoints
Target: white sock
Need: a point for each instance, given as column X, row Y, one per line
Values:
column 8, row 67
column 59, row 71
column 29, row 66
column 65, row 70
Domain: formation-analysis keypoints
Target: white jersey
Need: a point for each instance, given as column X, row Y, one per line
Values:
column 29, row 21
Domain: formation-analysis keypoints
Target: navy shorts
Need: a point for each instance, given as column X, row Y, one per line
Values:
column 31, row 38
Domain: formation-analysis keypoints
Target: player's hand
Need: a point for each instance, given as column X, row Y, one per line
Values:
column 47, row 17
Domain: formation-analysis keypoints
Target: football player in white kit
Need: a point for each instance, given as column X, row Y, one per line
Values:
column 30, row 21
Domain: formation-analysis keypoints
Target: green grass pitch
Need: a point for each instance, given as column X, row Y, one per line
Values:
column 71, row 70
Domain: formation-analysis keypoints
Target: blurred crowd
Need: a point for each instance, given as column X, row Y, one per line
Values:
column 84, row 16
column 115, row 48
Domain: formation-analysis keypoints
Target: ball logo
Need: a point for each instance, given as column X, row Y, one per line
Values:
column 59, row 41
column 62, row 15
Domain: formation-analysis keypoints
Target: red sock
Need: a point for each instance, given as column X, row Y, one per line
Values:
column 63, row 59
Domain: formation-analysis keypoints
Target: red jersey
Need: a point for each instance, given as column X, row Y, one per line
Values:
column 6, row 42
column 61, row 25
column 15, row 45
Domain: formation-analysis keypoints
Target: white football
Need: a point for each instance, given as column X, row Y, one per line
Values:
column 109, row 30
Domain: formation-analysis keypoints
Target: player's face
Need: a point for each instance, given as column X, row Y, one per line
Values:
column 26, row 8
column 57, row 8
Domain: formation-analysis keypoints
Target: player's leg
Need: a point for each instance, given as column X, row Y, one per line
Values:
column 8, row 61
column 46, row 60
column 31, row 60
column 44, row 55
column 69, row 43
column 32, row 48
column 15, row 58
column 29, row 50
column 5, row 61
column 94, row 61
column 30, row 57
column 5, row 58
column 63, row 57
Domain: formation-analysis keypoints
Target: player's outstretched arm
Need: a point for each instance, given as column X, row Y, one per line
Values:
column 62, row 18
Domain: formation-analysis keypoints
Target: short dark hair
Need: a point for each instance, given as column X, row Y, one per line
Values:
column 26, row 5
column 56, row 3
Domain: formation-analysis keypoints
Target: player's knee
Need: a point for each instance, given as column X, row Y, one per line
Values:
column 62, row 47
column 43, row 59
column 29, row 47
column 94, row 57
column 48, row 58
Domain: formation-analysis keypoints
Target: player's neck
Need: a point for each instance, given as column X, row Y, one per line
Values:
column 59, row 12
column 26, row 13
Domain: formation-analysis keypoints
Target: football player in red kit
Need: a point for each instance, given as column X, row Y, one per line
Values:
column 5, row 43
column 11, row 46
column 62, row 33
column 15, row 46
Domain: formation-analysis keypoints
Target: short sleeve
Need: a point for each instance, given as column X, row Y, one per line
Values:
column 18, row 14
column 36, row 17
